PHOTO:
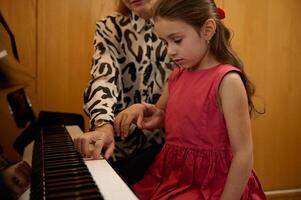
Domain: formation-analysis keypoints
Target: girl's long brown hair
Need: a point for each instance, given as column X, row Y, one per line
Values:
column 196, row 13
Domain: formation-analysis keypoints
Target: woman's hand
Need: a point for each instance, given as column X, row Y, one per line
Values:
column 92, row 144
column 153, row 117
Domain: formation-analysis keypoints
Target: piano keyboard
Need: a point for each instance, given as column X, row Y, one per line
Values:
column 108, row 182
column 59, row 171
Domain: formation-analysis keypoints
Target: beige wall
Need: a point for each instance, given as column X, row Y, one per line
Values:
column 56, row 49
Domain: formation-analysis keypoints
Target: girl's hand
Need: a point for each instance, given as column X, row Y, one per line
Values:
column 133, row 114
column 101, row 140
column 153, row 117
column 145, row 116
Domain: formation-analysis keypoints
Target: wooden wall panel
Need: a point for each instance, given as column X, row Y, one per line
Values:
column 267, row 37
column 65, row 37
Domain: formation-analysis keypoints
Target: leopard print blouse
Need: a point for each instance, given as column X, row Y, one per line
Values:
column 129, row 65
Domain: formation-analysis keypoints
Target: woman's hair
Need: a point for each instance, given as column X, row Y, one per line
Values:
column 121, row 8
column 196, row 13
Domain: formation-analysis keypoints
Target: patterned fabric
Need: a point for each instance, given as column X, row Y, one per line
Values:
column 195, row 160
column 5, row 193
column 3, row 161
column 129, row 65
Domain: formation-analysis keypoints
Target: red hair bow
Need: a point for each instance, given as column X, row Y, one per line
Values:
column 221, row 13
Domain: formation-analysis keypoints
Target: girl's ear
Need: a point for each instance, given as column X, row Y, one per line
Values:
column 208, row 29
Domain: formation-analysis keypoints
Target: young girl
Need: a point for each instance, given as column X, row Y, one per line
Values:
column 206, row 107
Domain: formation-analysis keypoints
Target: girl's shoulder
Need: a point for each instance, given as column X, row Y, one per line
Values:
column 226, row 68
column 221, row 72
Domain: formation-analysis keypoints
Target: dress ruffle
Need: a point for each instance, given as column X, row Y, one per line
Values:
column 188, row 173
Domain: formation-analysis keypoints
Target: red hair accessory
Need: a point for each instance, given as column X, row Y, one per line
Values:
column 221, row 13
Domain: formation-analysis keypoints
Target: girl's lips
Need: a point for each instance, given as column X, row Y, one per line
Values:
column 137, row 2
column 178, row 61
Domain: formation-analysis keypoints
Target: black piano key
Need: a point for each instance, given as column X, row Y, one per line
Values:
column 71, row 187
column 58, row 161
column 59, row 166
column 62, row 155
column 62, row 179
column 64, row 170
column 80, row 180
column 68, row 174
column 59, row 148
column 74, row 194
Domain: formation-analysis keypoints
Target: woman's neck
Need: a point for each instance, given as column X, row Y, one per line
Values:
column 145, row 13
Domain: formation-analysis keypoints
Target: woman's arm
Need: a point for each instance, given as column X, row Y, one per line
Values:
column 101, row 94
column 234, row 104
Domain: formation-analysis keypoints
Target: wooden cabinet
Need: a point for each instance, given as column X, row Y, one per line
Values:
column 21, row 18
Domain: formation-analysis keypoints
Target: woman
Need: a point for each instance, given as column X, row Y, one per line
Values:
column 129, row 65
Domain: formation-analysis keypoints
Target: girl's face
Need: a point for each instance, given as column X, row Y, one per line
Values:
column 141, row 7
column 186, row 46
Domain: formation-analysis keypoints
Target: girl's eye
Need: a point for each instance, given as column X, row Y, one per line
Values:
column 177, row 41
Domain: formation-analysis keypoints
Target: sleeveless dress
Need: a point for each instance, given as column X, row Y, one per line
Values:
column 195, row 160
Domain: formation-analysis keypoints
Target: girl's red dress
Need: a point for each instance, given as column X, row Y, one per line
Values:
column 194, row 162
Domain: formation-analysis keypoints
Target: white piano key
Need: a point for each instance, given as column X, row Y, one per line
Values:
column 109, row 183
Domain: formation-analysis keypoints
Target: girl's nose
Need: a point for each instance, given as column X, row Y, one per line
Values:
column 170, row 51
